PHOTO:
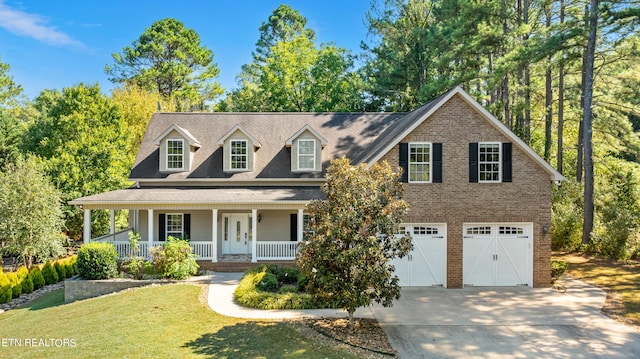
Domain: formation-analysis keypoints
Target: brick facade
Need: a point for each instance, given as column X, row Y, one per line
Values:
column 456, row 201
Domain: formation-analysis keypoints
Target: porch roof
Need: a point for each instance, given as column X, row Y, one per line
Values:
column 202, row 198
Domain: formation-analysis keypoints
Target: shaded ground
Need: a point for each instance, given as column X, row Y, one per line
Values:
column 619, row 279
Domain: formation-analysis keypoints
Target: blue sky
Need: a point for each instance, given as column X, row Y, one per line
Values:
column 51, row 44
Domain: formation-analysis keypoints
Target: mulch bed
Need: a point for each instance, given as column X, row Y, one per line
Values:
column 367, row 339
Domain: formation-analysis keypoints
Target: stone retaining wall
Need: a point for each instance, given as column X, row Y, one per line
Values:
column 77, row 289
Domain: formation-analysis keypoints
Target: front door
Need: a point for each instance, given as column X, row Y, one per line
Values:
column 237, row 233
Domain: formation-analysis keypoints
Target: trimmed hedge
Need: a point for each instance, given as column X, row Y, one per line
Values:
column 25, row 281
column 97, row 261
column 36, row 277
column 5, row 288
column 49, row 273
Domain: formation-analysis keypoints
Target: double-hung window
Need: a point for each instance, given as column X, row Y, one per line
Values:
column 489, row 162
column 239, row 155
column 175, row 155
column 306, row 154
column 175, row 225
column 420, row 162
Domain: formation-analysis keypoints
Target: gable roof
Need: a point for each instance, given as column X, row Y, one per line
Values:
column 255, row 142
column 290, row 140
column 412, row 120
column 183, row 132
column 361, row 137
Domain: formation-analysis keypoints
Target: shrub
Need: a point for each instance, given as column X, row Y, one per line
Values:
column 249, row 293
column 49, row 273
column 61, row 270
column 267, row 282
column 287, row 275
column 97, row 261
column 36, row 277
column 557, row 268
column 175, row 259
column 25, row 280
column 16, row 287
column 5, row 288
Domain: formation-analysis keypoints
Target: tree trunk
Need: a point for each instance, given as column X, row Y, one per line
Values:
column 527, row 82
column 352, row 323
column 548, row 94
column 560, row 155
column 588, row 128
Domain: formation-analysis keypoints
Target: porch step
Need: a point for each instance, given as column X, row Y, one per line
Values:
column 235, row 266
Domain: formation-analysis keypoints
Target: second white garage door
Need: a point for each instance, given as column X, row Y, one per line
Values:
column 498, row 254
column 426, row 265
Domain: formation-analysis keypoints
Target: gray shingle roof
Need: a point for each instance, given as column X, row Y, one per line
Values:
column 347, row 134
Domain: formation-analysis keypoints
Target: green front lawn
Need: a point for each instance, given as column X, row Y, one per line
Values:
column 167, row 321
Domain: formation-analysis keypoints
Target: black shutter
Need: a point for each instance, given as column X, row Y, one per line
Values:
column 161, row 227
column 404, row 161
column 294, row 227
column 506, row 162
column 187, row 226
column 437, row 163
column 473, row 162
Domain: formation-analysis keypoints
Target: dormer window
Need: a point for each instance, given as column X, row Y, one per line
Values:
column 239, row 156
column 306, row 150
column 175, row 154
column 177, row 148
column 307, row 155
column 239, row 148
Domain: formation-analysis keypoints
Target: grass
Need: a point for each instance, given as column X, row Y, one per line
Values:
column 620, row 280
column 168, row 321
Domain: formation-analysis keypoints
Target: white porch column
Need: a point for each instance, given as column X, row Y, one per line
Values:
column 112, row 221
column 214, row 236
column 86, row 235
column 300, row 224
column 150, row 229
column 254, row 235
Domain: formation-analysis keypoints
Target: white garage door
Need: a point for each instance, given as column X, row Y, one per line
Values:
column 498, row 254
column 426, row 265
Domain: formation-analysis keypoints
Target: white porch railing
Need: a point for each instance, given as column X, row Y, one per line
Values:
column 280, row 250
column 202, row 250
column 122, row 235
column 266, row 250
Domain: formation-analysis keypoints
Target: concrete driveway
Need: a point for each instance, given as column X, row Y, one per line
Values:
column 505, row 323
column 477, row 322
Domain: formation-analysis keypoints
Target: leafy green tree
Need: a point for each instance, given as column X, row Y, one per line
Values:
column 289, row 73
column 30, row 213
column 9, row 90
column 354, row 236
column 137, row 105
column 168, row 58
column 10, row 137
column 82, row 138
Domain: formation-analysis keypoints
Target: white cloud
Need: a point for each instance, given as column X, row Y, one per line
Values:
column 34, row 26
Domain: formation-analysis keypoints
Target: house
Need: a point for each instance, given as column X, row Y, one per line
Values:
column 237, row 184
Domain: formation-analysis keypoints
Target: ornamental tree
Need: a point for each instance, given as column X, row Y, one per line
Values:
column 354, row 237
column 30, row 213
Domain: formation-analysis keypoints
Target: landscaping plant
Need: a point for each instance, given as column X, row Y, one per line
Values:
column 354, row 237
column 97, row 261
column 175, row 259
column 49, row 273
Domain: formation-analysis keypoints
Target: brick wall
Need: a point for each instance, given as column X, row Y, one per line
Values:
column 455, row 201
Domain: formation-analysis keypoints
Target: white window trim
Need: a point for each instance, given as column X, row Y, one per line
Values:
column 231, row 155
column 313, row 155
column 181, row 168
column 429, row 163
column 499, row 144
column 167, row 232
